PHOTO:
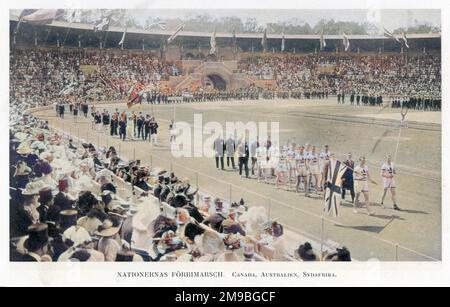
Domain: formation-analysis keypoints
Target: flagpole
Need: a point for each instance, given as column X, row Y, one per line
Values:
column 399, row 133
column 322, row 235
column 67, row 33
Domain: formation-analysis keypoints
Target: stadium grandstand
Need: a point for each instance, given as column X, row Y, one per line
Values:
column 77, row 198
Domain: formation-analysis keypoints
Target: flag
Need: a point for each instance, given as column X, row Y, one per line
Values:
column 389, row 34
column 68, row 89
column 323, row 44
column 175, row 34
column 135, row 94
column 264, row 41
column 26, row 13
column 123, row 37
column 283, row 42
column 42, row 17
column 345, row 41
column 160, row 24
column 21, row 16
column 234, row 41
column 333, row 190
column 103, row 24
column 405, row 41
column 213, row 43
column 70, row 16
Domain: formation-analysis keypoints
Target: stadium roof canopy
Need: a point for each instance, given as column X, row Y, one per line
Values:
column 83, row 26
column 82, row 34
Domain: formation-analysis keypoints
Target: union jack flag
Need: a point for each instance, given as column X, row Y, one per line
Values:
column 333, row 190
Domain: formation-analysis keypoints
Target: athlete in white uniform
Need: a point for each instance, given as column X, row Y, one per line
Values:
column 387, row 173
column 301, row 160
column 323, row 162
column 281, row 169
column 313, row 163
column 290, row 157
column 361, row 178
column 261, row 160
column 273, row 153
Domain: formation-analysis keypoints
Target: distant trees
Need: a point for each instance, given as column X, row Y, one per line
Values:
column 418, row 28
column 205, row 23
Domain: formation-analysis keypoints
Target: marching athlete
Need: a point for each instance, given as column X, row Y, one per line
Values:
column 313, row 164
column 172, row 131
column 361, row 178
column 290, row 156
column 261, row 160
column 301, row 160
column 323, row 162
column 387, row 173
column 280, row 169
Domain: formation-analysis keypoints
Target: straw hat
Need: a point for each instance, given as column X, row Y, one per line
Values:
column 210, row 243
column 22, row 169
column 33, row 188
column 77, row 234
column 21, row 136
column 23, row 149
column 107, row 230
column 84, row 183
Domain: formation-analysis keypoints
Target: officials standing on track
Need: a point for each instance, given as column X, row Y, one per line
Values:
column 230, row 147
column 219, row 148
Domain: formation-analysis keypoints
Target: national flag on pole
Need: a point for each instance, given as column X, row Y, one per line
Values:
column 160, row 24
column 103, row 24
column 26, row 13
column 234, row 41
column 389, row 34
column 405, row 41
column 333, row 190
column 136, row 92
column 21, row 16
column 70, row 16
column 123, row 37
column 283, row 42
column 264, row 41
column 175, row 33
column 42, row 17
column 68, row 89
column 323, row 44
column 213, row 43
column 345, row 41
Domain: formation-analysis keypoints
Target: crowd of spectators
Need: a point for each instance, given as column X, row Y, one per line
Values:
column 42, row 77
column 412, row 76
column 73, row 201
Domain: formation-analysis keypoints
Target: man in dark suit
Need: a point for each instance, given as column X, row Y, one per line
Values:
column 230, row 146
column 140, row 125
column 105, row 118
column 348, row 183
column 219, row 148
column 36, row 244
column 146, row 127
column 243, row 154
column 122, row 129
column 61, row 110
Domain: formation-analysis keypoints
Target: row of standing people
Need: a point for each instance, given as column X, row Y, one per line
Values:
column 304, row 167
column 138, row 126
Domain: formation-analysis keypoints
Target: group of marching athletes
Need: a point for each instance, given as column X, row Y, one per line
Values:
column 305, row 167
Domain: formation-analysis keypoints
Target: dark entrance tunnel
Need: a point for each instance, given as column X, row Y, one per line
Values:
column 218, row 82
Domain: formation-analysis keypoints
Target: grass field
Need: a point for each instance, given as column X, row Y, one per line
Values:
column 368, row 131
